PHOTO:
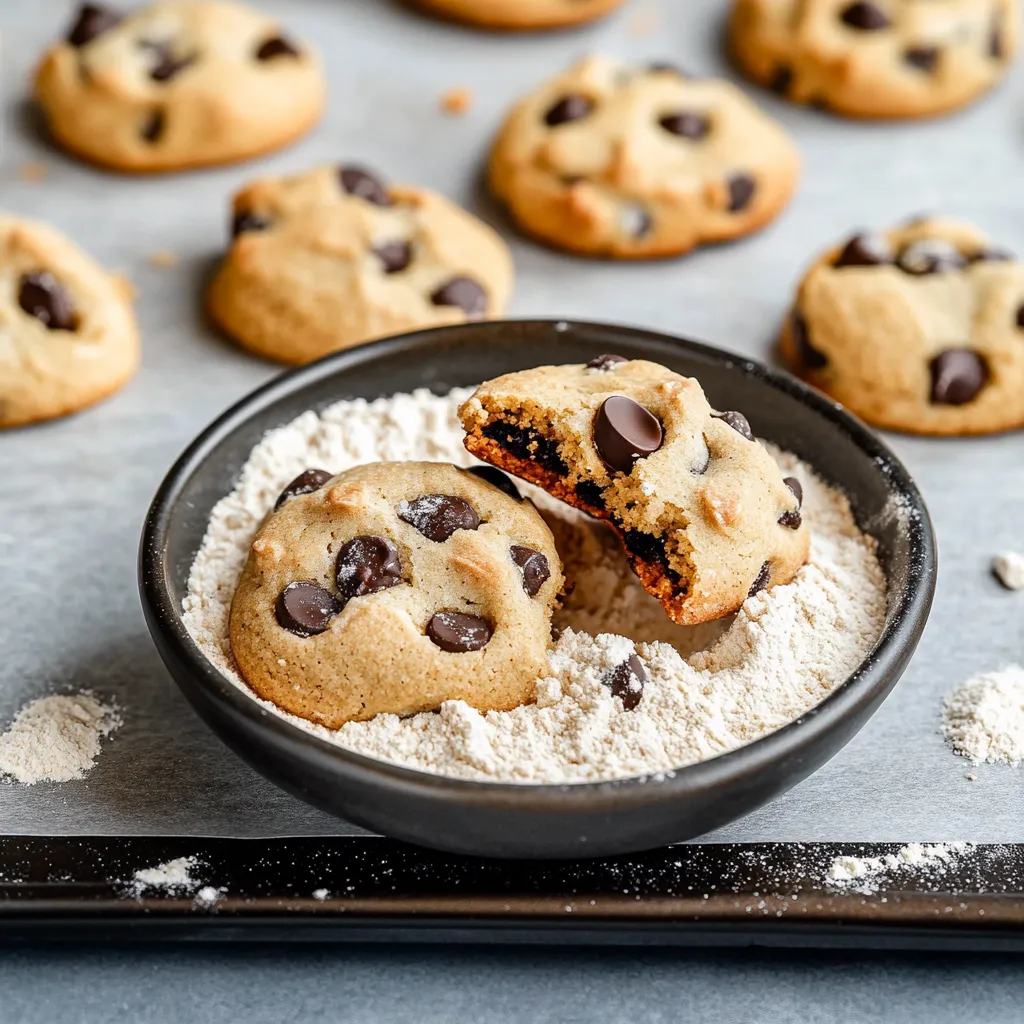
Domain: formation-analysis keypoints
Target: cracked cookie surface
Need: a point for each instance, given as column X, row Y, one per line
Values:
column 877, row 58
column 394, row 587
column 522, row 15
column 68, row 336
column 919, row 328
column 177, row 84
column 334, row 257
column 702, row 509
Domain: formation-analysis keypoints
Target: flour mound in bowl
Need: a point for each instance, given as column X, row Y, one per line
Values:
column 710, row 688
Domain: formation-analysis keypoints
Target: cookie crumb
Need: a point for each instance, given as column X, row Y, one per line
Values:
column 32, row 171
column 162, row 258
column 1009, row 569
column 457, row 102
column 971, row 777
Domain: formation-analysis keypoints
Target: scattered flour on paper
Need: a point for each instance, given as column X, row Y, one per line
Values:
column 711, row 688
column 56, row 738
column 171, row 876
column 983, row 719
column 867, row 875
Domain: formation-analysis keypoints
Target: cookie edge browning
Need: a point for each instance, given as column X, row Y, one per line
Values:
column 448, row 11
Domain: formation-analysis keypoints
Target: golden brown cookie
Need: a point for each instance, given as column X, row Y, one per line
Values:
column 702, row 509
column 519, row 15
column 334, row 257
column 877, row 58
column 394, row 587
column 67, row 333
column 177, row 83
column 612, row 160
column 918, row 328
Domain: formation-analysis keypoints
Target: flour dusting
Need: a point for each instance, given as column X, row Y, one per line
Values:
column 983, row 719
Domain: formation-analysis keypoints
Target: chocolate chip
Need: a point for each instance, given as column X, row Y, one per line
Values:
column 166, row 65
column 761, row 581
column 664, row 67
column 367, row 564
column 625, row 431
column 626, row 681
column 41, row 295
column 357, row 181
column 590, row 493
column 958, row 374
column 153, row 127
column 527, row 444
column 534, row 565
column 864, row 16
column 996, row 50
column 924, row 57
column 635, row 220
column 246, row 220
column 497, row 479
column 930, row 256
column 689, row 124
column 992, row 254
column 463, row 292
column 865, row 250
column 737, row 421
column 395, row 256
column 793, row 518
column 276, row 46
column 782, row 79
column 458, row 633
column 92, row 21
column 568, row 108
column 305, row 608
column 438, row 516
column 741, row 190
column 1020, row 316
column 606, row 362
column 651, row 549
column 809, row 356
column 306, row 482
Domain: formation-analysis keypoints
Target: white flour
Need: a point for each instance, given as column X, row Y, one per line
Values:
column 172, row 876
column 56, row 739
column 711, row 689
column 867, row 875
column 983, row 718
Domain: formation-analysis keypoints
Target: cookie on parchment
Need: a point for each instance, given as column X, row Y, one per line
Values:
column 614, row 160
column 176, row 84
column 394, row 587
column 877, row 58
column 67, row 332
column 919, row 328
column 703, row 511
column 334, row 257
column 519, row 15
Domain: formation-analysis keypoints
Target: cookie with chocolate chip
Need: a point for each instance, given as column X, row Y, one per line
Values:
column 335, row 257
column 704, row 514
column 877, row 58
column 176, row 84
column 519, row 15
column 638, row 161
column 919, row 328
column 394, row 587
column 67, row 332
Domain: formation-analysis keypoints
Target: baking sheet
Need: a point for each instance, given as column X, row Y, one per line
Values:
column 73, row 494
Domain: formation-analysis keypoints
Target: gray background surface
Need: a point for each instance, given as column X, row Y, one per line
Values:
column 73, row 493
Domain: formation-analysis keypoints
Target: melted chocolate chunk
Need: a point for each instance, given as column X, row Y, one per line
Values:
column 534, row 565
column 782, row 79
column 567, row 109
column 92, row 21
column 367, row 564
column 153, row 126
column 996, row 49
column 926, row 58
column 438, row 516
column 41, row 295
column 165, row 64
column 761, row 580
column 276, row 46
column 246, row 220
column 864, row 16
column 865, row 250
column 463, row 292
column 626, row 681
column 496, row 478
column 741, row 190
column 809, row 356
column 590, row 493
column 457, row 633
column 737, row 421
column 357, row 181
column 306, row 482
column 650, row 549
column 958, row 374
column 793, row 517
column 527, row 444
column 688, row 124
column 930, row 256
column 624, row 431
column 1020, row 316
column 395, row 256
column 606, row 362
column 305, row 608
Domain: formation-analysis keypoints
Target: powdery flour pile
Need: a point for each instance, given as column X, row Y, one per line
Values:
column 711, row 689
column 983, row 719
column 56, row 739
column 868, row 875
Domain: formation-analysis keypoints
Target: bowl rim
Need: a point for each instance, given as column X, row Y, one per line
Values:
column 867, row 684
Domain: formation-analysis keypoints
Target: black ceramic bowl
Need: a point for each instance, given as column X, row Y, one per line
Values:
column 553, row 820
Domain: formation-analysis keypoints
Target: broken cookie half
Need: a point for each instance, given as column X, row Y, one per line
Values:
column 703, row 511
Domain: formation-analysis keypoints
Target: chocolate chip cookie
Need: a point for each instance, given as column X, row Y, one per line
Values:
column 67, row 333
column 394, row 587
column 877, row 58
column 517, row 15
column 621, row 161
column 918, row 328
column 702, row 509
column 177, row 83
column 335, row 257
